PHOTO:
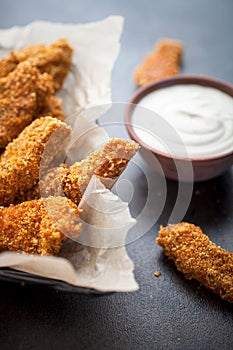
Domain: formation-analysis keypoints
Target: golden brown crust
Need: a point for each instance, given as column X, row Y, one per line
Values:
column 28, row 81
column 39, row 226
column 53, row 107
column 199, row 258
column 54, row 59
column 31, row 194
column 20, row 163
column 52, row 183
column 162, row 63
column 22, row 96
column 107, row 163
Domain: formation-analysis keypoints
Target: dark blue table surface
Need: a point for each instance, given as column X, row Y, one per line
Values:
column 167, row 312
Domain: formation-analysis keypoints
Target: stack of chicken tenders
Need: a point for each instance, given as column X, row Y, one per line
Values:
column 39, row 199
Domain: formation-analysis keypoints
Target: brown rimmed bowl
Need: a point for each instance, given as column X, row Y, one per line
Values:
column 202, row 168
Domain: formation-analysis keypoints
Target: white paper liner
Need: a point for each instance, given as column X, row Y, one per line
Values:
column 85, row 138
column 86, row 88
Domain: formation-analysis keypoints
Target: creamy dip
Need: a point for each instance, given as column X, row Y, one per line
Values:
column 186, row 119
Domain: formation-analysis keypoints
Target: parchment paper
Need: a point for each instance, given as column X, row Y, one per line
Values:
column 100, row 261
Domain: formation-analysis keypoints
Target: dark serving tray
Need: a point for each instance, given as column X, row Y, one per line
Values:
column 15, row 276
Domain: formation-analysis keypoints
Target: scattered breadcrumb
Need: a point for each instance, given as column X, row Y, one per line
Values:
column 197, row 257
column 162, row 63
column 39, row 226
column 20, row 163
column 157, row 273
column 54, row 59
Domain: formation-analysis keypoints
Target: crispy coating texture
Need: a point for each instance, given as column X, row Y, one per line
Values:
column 22, row 96
column 162, row 63
column 28, row 195
column 39, row 226
column 199, row 258
column 54, row 59
column 25, row 94
column 51, row 184
column 107, row 163
column 52, row 106
column 20, row 163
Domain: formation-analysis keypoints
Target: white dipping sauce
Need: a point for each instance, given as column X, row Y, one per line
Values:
column 200, row 119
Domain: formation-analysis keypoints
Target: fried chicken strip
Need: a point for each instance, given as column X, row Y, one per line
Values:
column 20, row 163
column 162, row 63
column 54, row 59
column 39, row 226
column 107, row 163
column 24, row 94
column 197, row 257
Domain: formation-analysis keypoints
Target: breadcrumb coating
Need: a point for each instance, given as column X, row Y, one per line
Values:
column 22, row 94
column 107, row 163
column 25, row 94
column 20, row 163
column 54, row 59
column 39, row 226
column 199, row 258
column 31, row 194
column 52, row 106
column 162, row 63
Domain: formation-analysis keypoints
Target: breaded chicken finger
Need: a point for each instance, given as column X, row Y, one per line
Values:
column 197, row 257
column 22, row 96
column 39, row 226
column 54, row 59
column 107, row 163
column 20, row 163
column 160, row 64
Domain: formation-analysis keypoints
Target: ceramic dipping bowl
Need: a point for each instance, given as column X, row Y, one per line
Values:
column 175, row 167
